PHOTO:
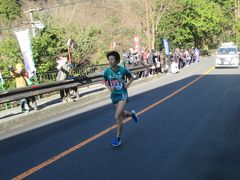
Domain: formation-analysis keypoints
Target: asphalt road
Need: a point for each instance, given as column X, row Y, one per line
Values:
column 192, row 132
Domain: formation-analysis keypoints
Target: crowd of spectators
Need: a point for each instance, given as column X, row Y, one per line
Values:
column 159, row 62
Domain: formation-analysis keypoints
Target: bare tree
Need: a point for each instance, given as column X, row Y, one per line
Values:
column 155, row 11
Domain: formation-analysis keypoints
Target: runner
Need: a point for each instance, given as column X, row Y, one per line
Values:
column 114, row 78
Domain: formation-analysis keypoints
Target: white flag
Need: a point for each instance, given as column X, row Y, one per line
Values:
column 25, row 46
column 1, row 79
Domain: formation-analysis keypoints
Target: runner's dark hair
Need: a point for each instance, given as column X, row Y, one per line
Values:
column 115, row 54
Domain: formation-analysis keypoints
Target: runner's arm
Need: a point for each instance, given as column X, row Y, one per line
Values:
column 108, row 86
column 129, row 82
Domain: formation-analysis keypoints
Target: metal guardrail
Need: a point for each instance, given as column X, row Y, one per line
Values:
column 35, row 90
column 83, row 71
column 50, row 76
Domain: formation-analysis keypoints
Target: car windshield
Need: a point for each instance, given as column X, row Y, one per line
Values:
column 227, row 50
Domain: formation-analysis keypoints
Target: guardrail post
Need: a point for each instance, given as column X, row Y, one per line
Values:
column 76, row 92
column 34, row 102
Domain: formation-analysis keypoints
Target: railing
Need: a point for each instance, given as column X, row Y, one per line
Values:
column 75, row 82
column 76, row 71
column 50, row 76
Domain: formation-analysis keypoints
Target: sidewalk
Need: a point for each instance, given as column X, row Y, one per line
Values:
column 49, row 101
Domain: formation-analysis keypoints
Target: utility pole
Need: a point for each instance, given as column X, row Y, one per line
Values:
column 30, row 11
column 148, row 26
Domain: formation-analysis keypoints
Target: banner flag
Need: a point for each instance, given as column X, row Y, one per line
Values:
column 136, row 44
column 25, row 46
column 166, row 46
column 1, row 79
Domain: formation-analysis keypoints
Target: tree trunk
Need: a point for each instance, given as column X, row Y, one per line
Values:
column 148, row 25
column 153, row 37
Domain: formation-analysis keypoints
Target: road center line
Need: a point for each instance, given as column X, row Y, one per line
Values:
column 87, row 141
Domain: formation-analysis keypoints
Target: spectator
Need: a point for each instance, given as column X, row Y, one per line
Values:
column 196, row 54
column 63, row 74
column 145, row 57
column 191, row 52
column 181, row 59
column 174, row 66
column 141, row 63
column 152, row 62
column 20, row 76
column 187, row 57
column 158, row 63
column 162, row 63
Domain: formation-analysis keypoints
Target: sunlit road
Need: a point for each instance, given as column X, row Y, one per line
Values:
column 193, row 134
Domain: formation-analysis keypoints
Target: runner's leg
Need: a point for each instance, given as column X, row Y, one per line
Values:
column 119, row 116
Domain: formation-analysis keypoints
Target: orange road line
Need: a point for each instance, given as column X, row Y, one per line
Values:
column 87, row 141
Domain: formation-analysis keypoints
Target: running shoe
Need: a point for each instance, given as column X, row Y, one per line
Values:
column 116, row 142
column 134, row 116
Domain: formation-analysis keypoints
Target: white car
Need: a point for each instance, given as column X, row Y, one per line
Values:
column 227, row 56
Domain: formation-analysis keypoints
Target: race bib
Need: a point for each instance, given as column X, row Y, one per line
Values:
column 116, row 84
